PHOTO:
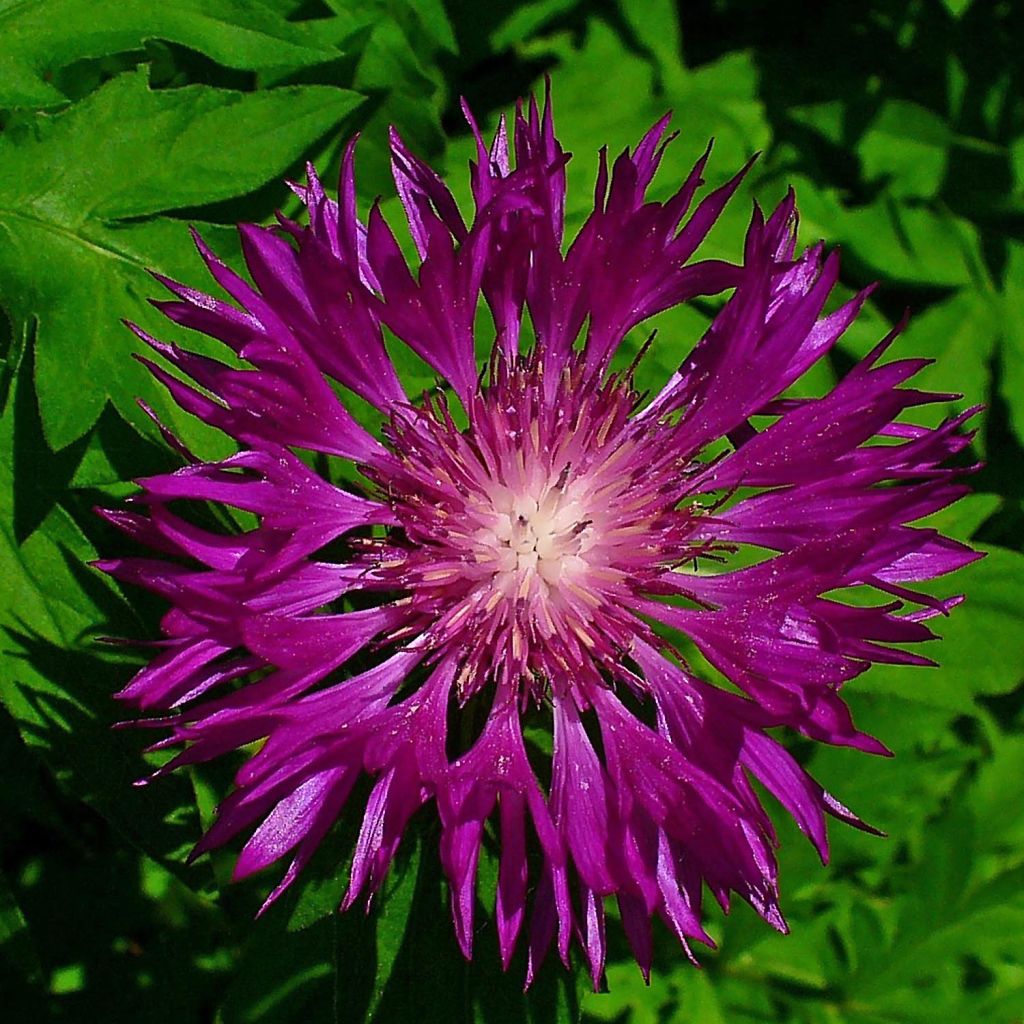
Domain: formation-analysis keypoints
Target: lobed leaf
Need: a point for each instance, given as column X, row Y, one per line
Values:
column 41, row 36
column 75, row 257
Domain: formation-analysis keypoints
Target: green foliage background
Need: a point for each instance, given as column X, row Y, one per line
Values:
column 902, row 127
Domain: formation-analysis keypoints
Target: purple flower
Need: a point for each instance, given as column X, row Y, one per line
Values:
column 484, row 615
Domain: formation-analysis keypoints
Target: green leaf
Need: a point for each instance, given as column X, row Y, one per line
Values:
column 942, row 915
column 958, row 8
column 59, row 690
column 129, row 151
column 891, row 240
column 990, row 620
column 40, row 478
column 41, row 36
column 430, row 18
column 525, row 19
column 718, row 100
column 425, row 22
column 827, row 119
column 391, row 66
column 58, row 686
column 397, row 961
column 72, row 255
column 284, row 977
column 1017, row 163
column 913, row 244
column 430, row 981
column 906, row 145
column 629, row 997
column 897, row 795
column 964, row 518
column 1011, row 381
column 960, row 335
column 396, row 66
column 999, row 786
column 17, row 949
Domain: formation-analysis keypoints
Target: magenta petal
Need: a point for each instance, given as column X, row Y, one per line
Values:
column 578, row 798
column 789, row 783
column 510, row 905
column 636, row 922
column 321, row 642
column 593, row 935
column 291, row 820
column 389, row 808
column 680, row 891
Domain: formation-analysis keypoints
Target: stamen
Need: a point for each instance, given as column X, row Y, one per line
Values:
column 524, row 552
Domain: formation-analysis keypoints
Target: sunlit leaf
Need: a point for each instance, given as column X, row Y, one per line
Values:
column 905, row 146
column 73, row 254
column 41, row 36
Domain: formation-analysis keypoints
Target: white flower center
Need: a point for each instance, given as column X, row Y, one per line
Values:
column 545, row 534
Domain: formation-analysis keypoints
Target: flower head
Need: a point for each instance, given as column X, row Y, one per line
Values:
column 485, row 613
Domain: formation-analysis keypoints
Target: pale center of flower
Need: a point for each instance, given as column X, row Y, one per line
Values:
column 541, row 536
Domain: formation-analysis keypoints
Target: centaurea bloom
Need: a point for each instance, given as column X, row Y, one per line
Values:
column 525, row 541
